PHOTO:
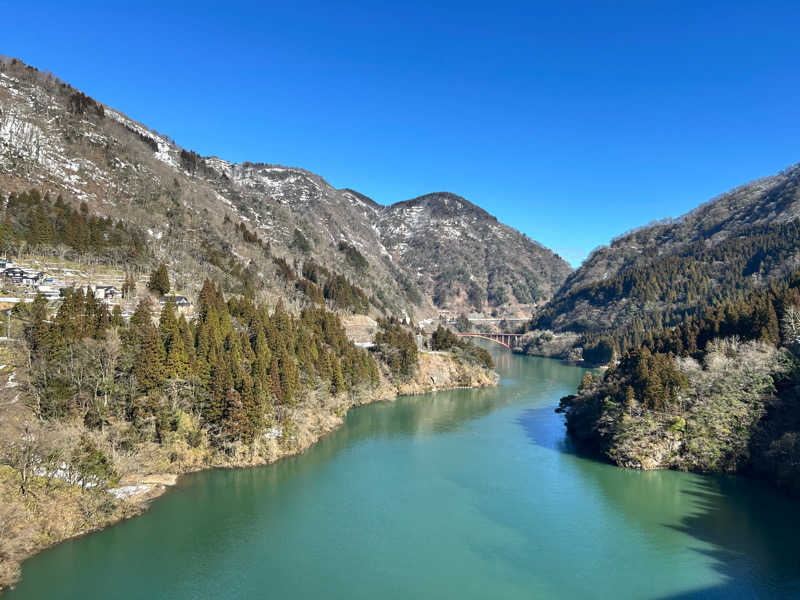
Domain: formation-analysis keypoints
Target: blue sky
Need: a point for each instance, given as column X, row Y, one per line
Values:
column 572, row 121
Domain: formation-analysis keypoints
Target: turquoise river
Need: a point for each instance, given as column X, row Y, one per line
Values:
column 462, row 494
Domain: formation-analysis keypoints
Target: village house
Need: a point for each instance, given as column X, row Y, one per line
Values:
column 106, row 292
column 102, row 292
column 33, row 278
column 49, row 292
column 20, row 276
column 181, row 303
column 14, row 274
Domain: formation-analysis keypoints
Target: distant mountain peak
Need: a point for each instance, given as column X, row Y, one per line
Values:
column 444, row 203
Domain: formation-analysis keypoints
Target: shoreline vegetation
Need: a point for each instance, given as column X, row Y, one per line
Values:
column 99, row 413
column 717, row 394
column 62, row 510
column 109, row 392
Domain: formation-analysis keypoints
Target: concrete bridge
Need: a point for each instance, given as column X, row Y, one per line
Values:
column 504, row 339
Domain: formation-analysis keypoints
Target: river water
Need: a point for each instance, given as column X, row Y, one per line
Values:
column 462, row 494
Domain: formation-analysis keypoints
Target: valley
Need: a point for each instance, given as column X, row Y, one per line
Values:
column 165, row 313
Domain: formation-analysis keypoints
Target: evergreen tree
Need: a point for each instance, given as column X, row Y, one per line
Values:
column 159, row 280
column 141, row 319
column 221, row 383
column 117, row 320
column 275, row 382
column 177, row 362
column 337, row 379
column 149, row 365
column 168, row 323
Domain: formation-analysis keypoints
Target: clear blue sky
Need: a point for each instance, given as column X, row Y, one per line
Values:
column 572, row 121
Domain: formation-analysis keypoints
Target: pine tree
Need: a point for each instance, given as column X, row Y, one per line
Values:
column 241, row 419
column 235, row 422
column 168, row 323
column 159, row 280
column 39, row 332
column 275, row 382
column 337, row 379
column 221, row 383
column 141, row 319
column 149, row 365
column 207, row 298
column 117, row 320
column 177, row 363
column 187, row 337
column 262, row 359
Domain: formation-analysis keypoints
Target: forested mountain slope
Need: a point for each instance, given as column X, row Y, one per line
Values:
column 659, row 274
column 206, row 214
column 108, row 391
column 720, row 392
column 699, row 322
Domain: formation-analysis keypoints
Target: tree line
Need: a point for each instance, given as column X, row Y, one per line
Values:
column 444, row 339
column 36, row 221
column 718, row 392
column 232, row 366
column 662, row 292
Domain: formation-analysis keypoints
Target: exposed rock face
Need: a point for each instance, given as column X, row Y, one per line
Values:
column 441, row 371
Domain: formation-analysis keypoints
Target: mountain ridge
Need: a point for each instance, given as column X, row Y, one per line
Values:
column 661, row 274
column 57, row 138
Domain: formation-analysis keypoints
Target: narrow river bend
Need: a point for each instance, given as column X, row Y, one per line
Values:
column 463, row 494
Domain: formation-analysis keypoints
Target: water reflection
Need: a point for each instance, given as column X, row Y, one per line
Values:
column 408, row 416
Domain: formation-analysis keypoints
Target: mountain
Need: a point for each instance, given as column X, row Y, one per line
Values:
column 226, row 220
column 464, row 258
column 97, row 403
column 660, row 274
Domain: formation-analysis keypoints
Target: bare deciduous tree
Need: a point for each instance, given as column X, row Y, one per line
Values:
column 791, row 325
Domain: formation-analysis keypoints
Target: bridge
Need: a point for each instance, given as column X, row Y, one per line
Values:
column 504, row 339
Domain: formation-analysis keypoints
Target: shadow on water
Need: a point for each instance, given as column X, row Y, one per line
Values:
column 745, row 530
column 546, row 429
column 752, row 532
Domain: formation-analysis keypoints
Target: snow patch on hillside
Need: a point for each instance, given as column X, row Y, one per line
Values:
column 166, row 152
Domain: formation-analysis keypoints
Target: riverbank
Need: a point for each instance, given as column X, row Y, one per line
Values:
column 53, row 510
column 733, row 411
column 468, row 490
